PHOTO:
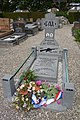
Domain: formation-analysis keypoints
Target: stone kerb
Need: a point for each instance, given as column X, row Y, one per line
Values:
column 67, row 86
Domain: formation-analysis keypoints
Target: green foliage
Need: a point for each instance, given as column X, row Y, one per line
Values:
column 28, row 76
column 73, row 16
column 62, row 13
column 49, row 91
column 77, row 35
column 1, row 15
column 26, row 15
column 16, row 15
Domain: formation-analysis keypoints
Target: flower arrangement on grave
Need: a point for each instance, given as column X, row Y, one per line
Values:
column 34, row 94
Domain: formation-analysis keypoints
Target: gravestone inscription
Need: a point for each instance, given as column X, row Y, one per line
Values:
column 46, row 68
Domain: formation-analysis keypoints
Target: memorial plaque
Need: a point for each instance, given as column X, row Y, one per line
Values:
column 46, row 68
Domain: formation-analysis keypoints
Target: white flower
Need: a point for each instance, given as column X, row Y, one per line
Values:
column 41, row 90
column 26, row 99
column 40, row 86
column 29, row 87
column 18, row 89
column 29, row 90
column 33, row 88
column 34, row 92
column 23, row 85
column 24, row 105
column 38, row 91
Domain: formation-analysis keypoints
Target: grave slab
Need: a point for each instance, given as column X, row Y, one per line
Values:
column 46, row 68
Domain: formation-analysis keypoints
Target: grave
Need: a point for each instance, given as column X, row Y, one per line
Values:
column 18, row 36
column 31, row 29
column 46, row 64
column 76, row 25
column 39, row 23
column 5, row 27
column 45, row 61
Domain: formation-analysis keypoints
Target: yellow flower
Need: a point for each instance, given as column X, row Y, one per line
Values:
column 17, row 107
column 22, row 98
column 28, row 108
column 16, row 99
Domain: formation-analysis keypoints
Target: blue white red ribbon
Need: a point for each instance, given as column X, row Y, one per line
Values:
column 44, row 101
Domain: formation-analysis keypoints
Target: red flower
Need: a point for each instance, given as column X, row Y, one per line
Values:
column 25, row 78
column 23, row 92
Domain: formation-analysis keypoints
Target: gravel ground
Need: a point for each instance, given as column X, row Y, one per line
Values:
column 12, row 57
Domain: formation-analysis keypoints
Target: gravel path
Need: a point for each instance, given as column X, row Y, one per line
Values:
column 12, row 57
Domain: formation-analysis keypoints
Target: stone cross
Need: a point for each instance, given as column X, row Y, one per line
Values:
column 49, row 23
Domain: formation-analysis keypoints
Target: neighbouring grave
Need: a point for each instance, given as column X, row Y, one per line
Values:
column 5, row 27
column 77, row 25
column 18, row 35
column 4, row 24
column 31, row 29
column 39, row 23
column 45, row 60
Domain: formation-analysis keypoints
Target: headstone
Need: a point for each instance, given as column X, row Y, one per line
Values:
column 46, row 64
column 19, row 26
column 49, row 24
column 31, row 29
column 39, row 23
column 4, row 24
column 77, row 25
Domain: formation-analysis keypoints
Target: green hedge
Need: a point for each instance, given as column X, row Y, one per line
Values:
column 36, row 15
column 16, row 15
column 76, row 34
column 1, row 15
column 73, row 16
column 27, row 15
column 61, row 13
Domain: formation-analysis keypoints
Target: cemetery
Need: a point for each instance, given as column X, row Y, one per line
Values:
column 40, row 60
column 43, row 78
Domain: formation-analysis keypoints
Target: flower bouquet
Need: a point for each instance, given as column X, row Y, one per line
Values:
column 34, row 94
